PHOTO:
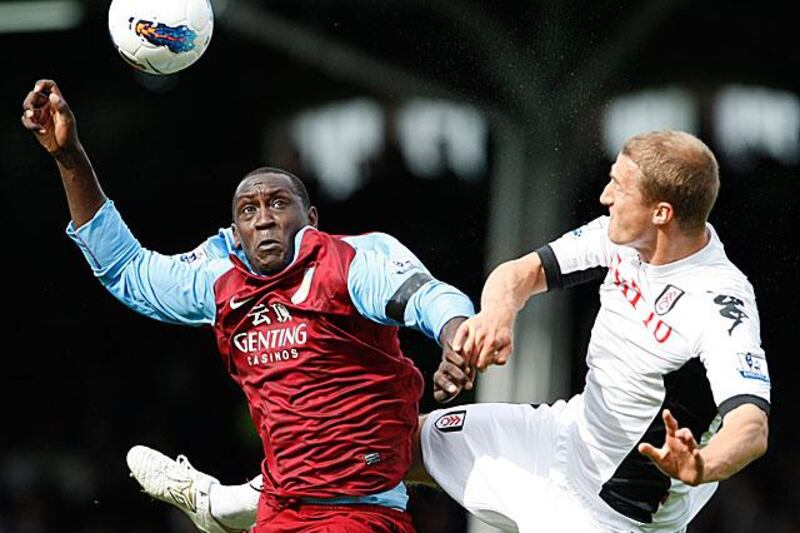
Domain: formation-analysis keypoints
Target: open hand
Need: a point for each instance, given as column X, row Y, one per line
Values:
column 680, row 456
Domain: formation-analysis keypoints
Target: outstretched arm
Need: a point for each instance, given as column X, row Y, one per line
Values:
column 389, row 285
column 47, row 114
column 742, row 439
column 487, row 338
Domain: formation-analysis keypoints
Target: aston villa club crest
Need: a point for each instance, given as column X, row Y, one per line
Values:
column 669, row 297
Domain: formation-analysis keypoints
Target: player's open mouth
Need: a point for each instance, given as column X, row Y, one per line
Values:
column 269, row 245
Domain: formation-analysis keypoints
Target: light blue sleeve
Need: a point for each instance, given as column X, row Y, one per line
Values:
column 387, row 282
column 218, row 246
column 155, row 285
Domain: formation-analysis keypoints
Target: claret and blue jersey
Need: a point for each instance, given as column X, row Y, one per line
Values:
column 314, row 347
column 181, row 291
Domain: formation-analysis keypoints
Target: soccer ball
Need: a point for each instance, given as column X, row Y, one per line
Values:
column 160, row 36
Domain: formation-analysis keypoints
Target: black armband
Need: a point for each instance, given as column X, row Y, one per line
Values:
column 732, row 403
column 396, row 306
column 557, row 280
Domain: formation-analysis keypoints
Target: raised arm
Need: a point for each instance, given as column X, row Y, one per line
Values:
column 47, row 114
column 152, row 284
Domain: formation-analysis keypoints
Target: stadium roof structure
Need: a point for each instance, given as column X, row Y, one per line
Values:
column 518, row 56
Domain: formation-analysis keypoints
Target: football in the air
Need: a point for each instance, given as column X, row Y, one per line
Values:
column 161, row 36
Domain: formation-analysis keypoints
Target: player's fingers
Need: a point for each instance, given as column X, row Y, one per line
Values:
column 650, row 451
column 453, row 373
column 502, row 355
column 56, row 90
column 438, row 394
column 473, row 346
column 471, row 372
column 670, row 423
column 58, row 102
column 45, row 85
column 444, row 390
column 468, row 340
column 43, row 89
column 463, row 365
column 493, row 347
column 486, row 356
column 461, row 334
column 444, row 380
column 40, row 116
column 28, row 124
column 685, row 436
column 34, row 100
column 455, row 358
column 41, row 99
column 501, row 351
column 32, row 121
column 28, row 120
column 441, row 396
column 33, row 104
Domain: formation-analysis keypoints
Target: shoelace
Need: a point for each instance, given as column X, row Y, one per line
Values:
column 184, row 494
column 183, row 461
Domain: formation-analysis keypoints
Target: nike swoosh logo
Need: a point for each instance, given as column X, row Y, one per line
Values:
column 236, row 305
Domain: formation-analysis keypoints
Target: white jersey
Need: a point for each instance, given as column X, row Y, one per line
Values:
column 683, row 336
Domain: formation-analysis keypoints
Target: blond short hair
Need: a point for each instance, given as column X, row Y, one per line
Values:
column 677, row 168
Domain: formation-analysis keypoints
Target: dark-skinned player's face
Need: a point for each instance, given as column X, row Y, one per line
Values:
column 267, row 214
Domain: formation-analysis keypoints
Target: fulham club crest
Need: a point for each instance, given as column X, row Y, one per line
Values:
column 669, row 297
column 452, row 421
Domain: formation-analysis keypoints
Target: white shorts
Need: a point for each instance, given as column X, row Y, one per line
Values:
column 500, row 461
column 497, row 461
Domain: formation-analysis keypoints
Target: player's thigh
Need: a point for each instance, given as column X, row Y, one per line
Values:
column 492, row 458
column 557, row 510
column 365, row 522
column 416, row 472
column 337, row 519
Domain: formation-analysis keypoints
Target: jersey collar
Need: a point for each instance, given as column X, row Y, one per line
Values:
column 298, row 240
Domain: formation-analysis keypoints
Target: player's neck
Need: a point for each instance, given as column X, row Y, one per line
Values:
column 674, row 245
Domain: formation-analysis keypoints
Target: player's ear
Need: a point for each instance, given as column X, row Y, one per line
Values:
column 313, row 216
column 662, row 213
column 237, row 241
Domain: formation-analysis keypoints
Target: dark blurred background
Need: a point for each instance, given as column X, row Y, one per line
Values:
column 472, row 130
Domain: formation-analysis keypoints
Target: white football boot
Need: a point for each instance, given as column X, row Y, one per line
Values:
column 177, row 483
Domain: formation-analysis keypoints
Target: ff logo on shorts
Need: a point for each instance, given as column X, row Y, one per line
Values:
column 452, row 421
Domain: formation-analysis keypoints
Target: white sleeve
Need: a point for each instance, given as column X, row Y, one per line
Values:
column 578, row 256
column 730, row 348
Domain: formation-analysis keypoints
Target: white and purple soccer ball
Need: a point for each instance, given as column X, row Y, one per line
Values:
column 161, row 36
